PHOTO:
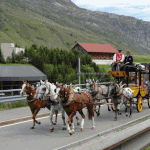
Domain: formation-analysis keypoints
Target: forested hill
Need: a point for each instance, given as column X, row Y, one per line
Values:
column 60, row 23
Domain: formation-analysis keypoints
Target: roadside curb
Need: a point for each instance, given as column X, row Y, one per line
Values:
column 22, row 119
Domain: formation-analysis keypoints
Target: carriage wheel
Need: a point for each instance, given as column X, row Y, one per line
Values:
column 139, row 103
column 149, row 101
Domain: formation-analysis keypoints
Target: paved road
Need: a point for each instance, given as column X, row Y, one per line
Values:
column 20, row 136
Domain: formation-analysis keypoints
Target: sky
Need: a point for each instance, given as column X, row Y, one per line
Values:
column 139, row 9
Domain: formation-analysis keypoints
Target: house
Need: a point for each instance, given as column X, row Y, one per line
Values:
column 8, row 48
column 96, row 51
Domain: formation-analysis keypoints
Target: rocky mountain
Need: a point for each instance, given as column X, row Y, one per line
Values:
column 60, row 23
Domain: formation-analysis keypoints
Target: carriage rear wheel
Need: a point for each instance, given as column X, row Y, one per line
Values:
column 139, row 103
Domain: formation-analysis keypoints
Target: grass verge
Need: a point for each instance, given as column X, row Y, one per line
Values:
column 12, row 105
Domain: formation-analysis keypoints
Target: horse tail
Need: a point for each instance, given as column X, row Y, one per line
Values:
column 90, row 111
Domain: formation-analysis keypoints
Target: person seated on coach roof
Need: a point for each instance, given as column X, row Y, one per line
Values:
column 128, row 63
column 118, row 58
column 128, row 59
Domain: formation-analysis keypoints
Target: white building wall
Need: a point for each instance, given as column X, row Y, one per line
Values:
column 102, row 62
column 22, row 49
column 7, row 49
column 17, row 49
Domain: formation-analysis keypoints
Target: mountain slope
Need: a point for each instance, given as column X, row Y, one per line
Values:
column 60, row 23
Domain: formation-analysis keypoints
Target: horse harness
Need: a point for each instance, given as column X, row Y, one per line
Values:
column 72, row 99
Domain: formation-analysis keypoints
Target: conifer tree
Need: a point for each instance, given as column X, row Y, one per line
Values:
column 13, row 57
column 2, row 60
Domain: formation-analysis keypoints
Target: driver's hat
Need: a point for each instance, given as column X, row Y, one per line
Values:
column 119, row 49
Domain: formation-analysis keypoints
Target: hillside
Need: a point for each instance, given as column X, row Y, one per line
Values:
column 60, row 23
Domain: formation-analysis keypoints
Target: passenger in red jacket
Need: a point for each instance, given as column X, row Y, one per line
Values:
column 118, row 60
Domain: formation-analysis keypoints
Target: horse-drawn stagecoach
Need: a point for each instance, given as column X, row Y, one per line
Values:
column 138, row 81
column 129, row 88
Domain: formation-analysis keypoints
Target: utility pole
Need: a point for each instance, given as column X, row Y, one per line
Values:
column 79, row 72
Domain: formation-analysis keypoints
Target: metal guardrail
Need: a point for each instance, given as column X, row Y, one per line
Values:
column 4, row 98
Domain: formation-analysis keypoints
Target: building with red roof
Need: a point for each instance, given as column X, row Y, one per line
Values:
column 96, row 51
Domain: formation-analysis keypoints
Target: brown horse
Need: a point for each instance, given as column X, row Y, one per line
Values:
column 77, row 102
column 34, row 104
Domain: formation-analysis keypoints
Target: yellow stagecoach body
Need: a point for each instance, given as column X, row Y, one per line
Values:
column 135, row 87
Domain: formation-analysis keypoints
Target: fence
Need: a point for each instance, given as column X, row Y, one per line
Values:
column 5, row 98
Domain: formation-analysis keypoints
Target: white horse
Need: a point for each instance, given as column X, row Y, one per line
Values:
column 120, row 95
column 55, row 103
column 51, row 90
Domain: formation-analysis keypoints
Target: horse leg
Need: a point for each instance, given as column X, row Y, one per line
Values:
column 113, row 107
column 130, row 108
column 68, row 120
column 118, row 108
column 56, row 112
column 126, row 110
column 72, row 124
column 78, row 121
column 93, row 123
column 63, row 118
column 51, row 118
column 115, row 112
column 83, row 117
column 98, row 113
column 32, row 110
column 108, row 105
column 34, row 115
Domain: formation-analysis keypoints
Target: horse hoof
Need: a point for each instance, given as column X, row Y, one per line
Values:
column 54, row 123
column 98, row 114
column 52, row 129
column 115, row 119
column 32, row 128
column 129, row 116
column 82, row 129
column 78, row 123
column 63, row 128
column 70, row 125
column 119, row 113
column 126, row 115
column 71, row 133
column 93, row 128
column 39, row 122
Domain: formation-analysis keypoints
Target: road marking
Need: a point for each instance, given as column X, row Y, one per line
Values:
column 24, row 121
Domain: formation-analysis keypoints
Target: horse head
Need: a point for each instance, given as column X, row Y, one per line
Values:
column 26, row 87
column 40, row 91
column 23, row 88
column 114, row 89
column 50, row 90
column 63, row 93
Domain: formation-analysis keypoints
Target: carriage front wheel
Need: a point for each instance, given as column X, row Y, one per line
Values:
column 139, row 103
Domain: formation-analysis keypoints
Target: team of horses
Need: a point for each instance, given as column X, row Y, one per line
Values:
column 72, row 100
